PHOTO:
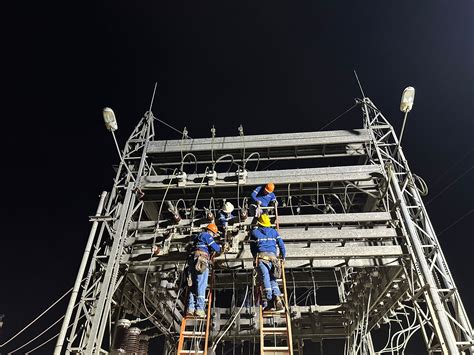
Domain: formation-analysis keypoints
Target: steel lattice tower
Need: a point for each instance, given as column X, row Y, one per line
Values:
column 351, row 215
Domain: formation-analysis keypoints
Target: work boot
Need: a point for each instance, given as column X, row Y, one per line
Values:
column 267, row 305
column 200, row 313
column 190, row 313
column 278, row 303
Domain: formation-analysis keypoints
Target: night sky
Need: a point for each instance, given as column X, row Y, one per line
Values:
column 272, row 67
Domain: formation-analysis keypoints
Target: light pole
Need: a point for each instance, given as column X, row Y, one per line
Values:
column 406, row 104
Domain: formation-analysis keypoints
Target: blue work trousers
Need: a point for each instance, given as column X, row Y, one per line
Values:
column 197, row 292
column 270, row 285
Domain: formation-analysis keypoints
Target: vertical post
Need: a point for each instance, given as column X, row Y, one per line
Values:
column 440, row 321
column 403, row 128
column 108, row 282
column 80, row 274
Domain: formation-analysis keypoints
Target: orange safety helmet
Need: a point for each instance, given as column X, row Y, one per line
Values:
column 269, row 187
column 212, row 227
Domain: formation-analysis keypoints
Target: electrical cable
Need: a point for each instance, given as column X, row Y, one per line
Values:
column 422, row 187
column 38, row 317
column 441, row 176
column 449, row 185
column 222, row 157
column 456, row 222
column 170, row 126
column 47, row 341
column 248, row 158
column 197, row 195
column 40, row 334
column 150, row 315
column 339, row 116
column 234, row 318
column 195, row 162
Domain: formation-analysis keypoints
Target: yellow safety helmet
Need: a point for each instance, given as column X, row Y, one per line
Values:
column 264, row 220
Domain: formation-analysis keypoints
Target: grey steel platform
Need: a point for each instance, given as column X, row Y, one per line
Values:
column 363, row 259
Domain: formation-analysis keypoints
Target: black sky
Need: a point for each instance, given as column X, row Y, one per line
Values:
column 272, row 66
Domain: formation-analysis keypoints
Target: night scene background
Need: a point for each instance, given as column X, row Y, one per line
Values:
column 270, row 66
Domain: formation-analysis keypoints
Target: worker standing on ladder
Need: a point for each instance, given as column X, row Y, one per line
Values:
column 262, row 196
column 263, row 245
column 203, row 244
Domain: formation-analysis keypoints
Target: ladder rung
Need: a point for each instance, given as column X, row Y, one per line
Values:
column 273, row 313
column 275, row 330
column 190, row 333
column 199, row 319
column 191, row 352
column 275, row 348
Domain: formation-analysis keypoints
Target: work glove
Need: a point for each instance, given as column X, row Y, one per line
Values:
column 259, row 203
column 275, row 203
column 225, row 247
column 155, row 249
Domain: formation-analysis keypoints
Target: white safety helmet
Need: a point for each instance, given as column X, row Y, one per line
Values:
column 228, row 207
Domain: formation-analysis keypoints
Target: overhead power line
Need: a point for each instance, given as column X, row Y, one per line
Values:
column 456, row 222
column 449, row 185
column 34, row 320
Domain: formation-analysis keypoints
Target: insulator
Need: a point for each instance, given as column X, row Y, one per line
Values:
column 243, row 214
column 143, row 345
column 121, row 335
column 176, row 218
column 210, row 216
column 133, row 340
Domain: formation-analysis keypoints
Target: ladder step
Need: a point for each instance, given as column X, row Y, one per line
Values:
column 190, row 333
column 197, row 319
column 275, row 348
column 273, row 313
column 276, row 330
column 191, row 352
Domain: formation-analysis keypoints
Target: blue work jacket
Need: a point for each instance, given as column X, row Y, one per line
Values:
column 265, row 240
column 204, row 241
column 259, row 194
column 224, row 218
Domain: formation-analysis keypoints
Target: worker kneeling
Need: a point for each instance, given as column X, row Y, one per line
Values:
column 198, row 275
column 263, row 245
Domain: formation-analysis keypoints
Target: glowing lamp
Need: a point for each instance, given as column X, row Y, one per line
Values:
column 109, row 119
column 408, row 97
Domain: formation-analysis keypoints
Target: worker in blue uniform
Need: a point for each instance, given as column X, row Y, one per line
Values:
column 225, row 215
column 203, row 245
column 262, row 196
column 263, row 245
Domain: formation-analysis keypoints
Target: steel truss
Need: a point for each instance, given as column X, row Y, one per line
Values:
column 441, row 315
column 350, row 212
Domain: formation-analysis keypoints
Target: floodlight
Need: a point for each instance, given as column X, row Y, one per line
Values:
column 408, row 96
column 109, row 119
column 406, row 104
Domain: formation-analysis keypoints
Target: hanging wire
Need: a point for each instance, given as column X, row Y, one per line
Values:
column 449, row 185
column 150, row 315
column 38, row 317
column 339, row 116
column 170, row 126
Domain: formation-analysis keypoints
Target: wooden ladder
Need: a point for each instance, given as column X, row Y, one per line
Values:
column 194, row 332
column 275, row 328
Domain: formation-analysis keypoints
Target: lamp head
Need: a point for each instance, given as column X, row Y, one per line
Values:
column 408, row 97
column 109, row 119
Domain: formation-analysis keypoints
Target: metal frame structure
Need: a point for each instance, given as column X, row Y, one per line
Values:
column 363, row 257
